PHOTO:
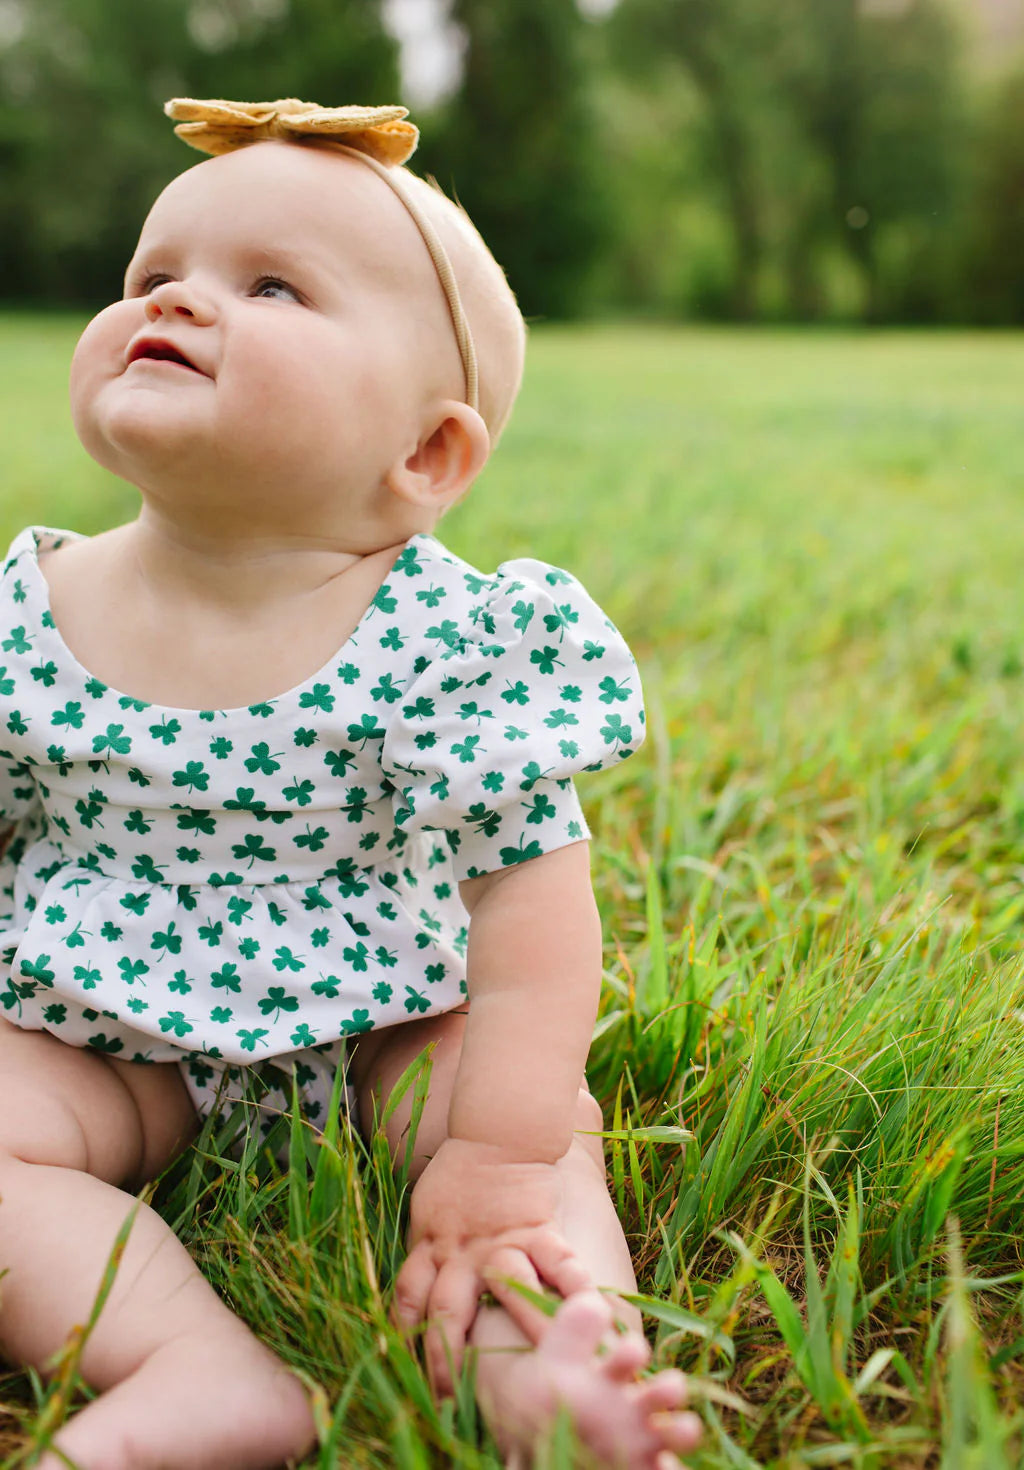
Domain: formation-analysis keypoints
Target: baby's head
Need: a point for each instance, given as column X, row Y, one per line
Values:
column 319, row 345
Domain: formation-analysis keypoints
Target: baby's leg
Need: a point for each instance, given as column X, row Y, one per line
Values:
column 579, row 1363
column 183, row 1383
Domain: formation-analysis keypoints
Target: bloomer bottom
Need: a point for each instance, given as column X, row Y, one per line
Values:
column 267, row 1085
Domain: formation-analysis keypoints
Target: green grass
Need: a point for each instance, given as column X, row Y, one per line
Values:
column 812, row 883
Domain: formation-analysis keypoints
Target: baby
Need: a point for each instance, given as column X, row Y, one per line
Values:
column 286, row 773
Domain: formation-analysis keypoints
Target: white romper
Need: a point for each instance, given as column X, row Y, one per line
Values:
column 216, row 887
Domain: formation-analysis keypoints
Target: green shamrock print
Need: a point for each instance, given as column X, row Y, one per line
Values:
column 230, row 886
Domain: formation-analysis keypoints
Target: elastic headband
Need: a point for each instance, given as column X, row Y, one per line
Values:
column 378, row 136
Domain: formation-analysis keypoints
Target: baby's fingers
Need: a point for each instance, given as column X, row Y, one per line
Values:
column 506, row 1269
column 558, row 1264
column 450, row 1312
column 413, row 1285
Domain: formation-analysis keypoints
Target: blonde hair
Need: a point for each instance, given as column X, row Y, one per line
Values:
column 497, row 324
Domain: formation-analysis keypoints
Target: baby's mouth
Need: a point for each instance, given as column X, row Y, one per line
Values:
column 154, row 349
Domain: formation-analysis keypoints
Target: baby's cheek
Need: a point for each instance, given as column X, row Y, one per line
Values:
column 90, row 352
column 292, row 391
column 100, row 351
column 312, row 392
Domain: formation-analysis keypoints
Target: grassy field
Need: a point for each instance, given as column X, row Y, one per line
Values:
column 812, row 881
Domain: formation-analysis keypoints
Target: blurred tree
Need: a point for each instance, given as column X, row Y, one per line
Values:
column 877, row 94
column 671, row 252
column 516, row 145
column 830, row 134
column 84, row 147
column 328, row 51
column 993, row 263
column 721, row 44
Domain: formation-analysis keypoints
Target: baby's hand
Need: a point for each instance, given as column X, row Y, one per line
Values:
column 478, row 1223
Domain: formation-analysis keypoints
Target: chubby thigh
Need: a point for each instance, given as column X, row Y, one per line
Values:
column 122, row 1122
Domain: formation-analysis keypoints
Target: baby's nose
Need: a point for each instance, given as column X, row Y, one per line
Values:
column 177, row 298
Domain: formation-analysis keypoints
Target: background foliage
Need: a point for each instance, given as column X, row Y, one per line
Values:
column 752, row 159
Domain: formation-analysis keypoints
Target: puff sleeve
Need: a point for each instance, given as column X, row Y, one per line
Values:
column 535, row 686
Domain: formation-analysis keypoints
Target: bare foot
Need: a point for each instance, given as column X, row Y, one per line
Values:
column 211, row 1402
column 622, row 1422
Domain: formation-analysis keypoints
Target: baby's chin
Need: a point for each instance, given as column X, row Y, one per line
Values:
column 140, row 432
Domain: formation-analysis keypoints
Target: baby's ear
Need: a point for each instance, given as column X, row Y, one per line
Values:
column 446, row 460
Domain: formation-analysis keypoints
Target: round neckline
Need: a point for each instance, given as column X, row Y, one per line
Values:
column 49, row 626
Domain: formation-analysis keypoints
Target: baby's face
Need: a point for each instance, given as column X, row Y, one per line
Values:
column 282, row 333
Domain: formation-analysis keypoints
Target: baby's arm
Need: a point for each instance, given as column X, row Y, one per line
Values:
column 485, row 1206
column 534, row 972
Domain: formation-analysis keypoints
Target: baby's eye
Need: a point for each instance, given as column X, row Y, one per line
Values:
column 147, row 284
column 270, row 288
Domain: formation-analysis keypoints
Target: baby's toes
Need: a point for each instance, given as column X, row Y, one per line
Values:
column 666, row 1390
column 577, row 1328
column 625, row 1358
column 668, row 1461
column 677, row 1432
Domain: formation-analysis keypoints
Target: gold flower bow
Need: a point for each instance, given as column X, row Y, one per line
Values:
column 216, row 126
